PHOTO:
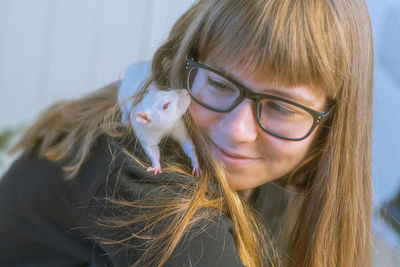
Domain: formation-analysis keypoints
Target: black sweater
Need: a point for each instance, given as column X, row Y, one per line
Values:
column 47, row 220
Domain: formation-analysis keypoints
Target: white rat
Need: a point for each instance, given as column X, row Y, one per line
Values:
column 159, row 114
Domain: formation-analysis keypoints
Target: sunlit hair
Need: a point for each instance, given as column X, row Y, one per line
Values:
column 319, row 43
column 323, row 44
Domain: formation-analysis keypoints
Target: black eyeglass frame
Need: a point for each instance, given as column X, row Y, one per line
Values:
column 318, row 117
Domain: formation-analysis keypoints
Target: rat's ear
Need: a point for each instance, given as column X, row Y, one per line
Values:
column 152, row 88
column 142, row 118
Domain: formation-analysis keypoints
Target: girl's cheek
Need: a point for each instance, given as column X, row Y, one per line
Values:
column 279, row 149
column 202, row 116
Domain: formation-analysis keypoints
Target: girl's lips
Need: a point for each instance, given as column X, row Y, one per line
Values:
column 228, row 158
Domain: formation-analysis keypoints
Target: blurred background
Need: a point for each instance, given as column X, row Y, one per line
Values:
column 57, row 49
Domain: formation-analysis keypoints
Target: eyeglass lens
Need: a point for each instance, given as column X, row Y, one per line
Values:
column 277, row 117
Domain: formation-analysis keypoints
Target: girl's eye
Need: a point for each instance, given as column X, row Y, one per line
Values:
column 165, row 106
column 220, row 86
column 280, row 108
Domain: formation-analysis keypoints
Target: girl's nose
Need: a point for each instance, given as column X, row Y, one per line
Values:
column 240, row 125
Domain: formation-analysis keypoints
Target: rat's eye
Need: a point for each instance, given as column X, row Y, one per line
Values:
column 165, row 106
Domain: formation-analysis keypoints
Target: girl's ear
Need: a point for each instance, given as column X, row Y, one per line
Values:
column 142, row 117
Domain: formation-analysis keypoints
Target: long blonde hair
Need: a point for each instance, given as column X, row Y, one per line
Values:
column 322, row 43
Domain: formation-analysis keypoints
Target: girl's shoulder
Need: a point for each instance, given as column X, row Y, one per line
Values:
column 209, row 238
column 72, row 214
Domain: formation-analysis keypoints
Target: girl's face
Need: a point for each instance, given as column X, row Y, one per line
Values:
column 251, row 156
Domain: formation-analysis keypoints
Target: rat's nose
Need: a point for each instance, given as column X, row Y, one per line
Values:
column 185, row 94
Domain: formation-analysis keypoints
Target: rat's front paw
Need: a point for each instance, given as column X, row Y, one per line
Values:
column 155, row 170
column 196, row 170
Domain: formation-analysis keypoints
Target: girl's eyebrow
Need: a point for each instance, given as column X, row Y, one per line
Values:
column 295, row 98
column 298, row 98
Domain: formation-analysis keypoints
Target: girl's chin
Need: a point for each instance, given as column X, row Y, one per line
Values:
column 241, row 184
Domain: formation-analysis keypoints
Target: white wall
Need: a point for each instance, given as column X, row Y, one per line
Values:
column 53, row 49
column 385, row 18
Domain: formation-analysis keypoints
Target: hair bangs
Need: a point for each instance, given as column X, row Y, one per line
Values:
column 277, row 41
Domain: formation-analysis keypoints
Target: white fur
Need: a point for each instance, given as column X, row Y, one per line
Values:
column 150, row 121
column 163, row 122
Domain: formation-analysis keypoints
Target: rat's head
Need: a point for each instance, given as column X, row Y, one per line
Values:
column 163, row 108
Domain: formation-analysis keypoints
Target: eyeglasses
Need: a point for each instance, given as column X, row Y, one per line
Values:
column 277, row 116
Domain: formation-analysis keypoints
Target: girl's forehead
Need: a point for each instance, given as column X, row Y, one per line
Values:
column 262, row 81
column 277, row 59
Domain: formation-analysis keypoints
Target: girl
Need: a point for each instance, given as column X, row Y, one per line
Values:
column 281, row 95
